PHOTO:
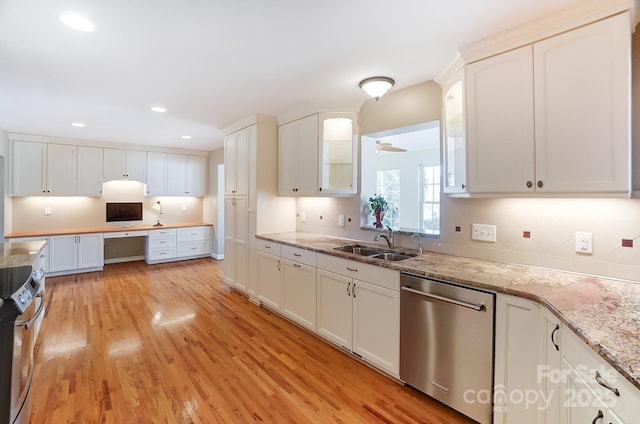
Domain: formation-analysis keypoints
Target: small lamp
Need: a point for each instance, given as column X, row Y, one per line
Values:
column 376, row 87
column 159, row 209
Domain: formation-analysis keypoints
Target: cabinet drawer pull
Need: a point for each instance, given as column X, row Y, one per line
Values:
column 553, row 333
column 352, row 269
column 296, row 265
column 163, row 241
column 600, row 415
column 266, row 246
column 194, row 234
column 297, row 254
column 603, row 384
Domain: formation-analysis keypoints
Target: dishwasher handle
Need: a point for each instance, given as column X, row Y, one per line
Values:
column 473, row 306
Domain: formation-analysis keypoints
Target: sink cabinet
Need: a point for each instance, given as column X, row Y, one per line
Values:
column 361, row 315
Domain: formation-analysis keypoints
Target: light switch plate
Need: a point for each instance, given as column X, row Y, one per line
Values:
column 340, row 220
column 483, row 232
column 584, row 242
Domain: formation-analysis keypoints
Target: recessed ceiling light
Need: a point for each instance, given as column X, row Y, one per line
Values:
column 186, row 137
column 158, row 109
column 76, row 21
column 78, row 124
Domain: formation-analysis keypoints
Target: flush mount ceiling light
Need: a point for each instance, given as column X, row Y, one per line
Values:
column 76, row 22
column 158, row 109
column 78, row 124
column 376, row 87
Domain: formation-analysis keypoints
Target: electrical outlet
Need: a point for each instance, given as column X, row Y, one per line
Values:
column 303, row 217
column 184, row 208
column 47, row 211
column 483, row 232
column 340, row 220
column 584, row 242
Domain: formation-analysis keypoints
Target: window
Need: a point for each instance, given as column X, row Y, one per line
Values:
column 388, row 185
column 430, row 200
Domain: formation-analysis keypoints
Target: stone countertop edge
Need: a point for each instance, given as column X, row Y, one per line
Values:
column 604, row 313
column 19, row 254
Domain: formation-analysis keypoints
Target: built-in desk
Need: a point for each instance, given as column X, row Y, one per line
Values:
column 77, row 250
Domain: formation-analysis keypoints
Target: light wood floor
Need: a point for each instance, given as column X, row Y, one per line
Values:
column 171, row 344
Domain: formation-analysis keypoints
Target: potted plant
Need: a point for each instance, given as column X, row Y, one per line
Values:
column 378, row 205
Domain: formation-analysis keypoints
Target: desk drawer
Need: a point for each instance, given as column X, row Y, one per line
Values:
column 161, row 242
column 193, row 234
column 196, row 248
column 162, row 253
column 167, row 232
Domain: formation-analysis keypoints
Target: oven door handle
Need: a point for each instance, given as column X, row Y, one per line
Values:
column 27, row 322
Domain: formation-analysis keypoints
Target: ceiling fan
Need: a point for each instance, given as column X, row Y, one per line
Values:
column 387, row 147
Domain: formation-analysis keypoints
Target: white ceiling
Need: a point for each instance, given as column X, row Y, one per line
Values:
column 214, row 62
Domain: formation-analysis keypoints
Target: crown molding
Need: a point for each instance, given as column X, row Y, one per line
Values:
column 583, row 13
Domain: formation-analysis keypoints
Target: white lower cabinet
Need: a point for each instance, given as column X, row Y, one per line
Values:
column 360, row 316
column 593, row 391
column 516, row 360
column 299, row 293
column 76, row 253
column 171, row 244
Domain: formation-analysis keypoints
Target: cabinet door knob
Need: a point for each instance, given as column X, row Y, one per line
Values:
column 529, row 184
column 540, row 184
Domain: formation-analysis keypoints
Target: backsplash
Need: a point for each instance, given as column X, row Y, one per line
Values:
column 551, row 224
column 89, row 212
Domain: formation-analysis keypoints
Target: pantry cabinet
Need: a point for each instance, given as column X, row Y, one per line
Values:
column 553, row 116
column 236, row 157
column 125, row 164
column 236, row 244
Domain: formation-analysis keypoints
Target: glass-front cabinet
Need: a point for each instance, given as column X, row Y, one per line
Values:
column 454, row 149
column 338, row 153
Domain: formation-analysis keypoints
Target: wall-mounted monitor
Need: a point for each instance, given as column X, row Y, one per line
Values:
column 131, row 211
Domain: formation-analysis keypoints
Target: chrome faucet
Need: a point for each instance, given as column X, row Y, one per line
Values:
column 389, row 237
column 419, row 241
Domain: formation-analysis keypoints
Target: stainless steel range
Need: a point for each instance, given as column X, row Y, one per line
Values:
column 21, row 305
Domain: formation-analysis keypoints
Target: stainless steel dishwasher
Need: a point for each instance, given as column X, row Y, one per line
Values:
column 446, row 343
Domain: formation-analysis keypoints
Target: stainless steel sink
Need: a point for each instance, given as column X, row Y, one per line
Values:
column 390, row 256
column 360, row 250
column 375, row 253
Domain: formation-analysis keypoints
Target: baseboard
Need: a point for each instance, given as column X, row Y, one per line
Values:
column 124, row 259
column 217, row 256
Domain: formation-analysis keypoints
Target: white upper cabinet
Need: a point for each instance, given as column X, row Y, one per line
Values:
column 500, row 123
column 236, row 149
column 186, row 175
column 43, row 169
column 454, row 151
column 298, row 157
column 61, row 170
column 29, row 168
column 338, row 153
column 89, row 165
column 554, row 116
column 125, row 164
column 156, row 174
column 582, row 92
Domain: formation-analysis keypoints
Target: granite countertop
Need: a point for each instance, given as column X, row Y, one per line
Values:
column 110, row 229
column 14, row 255
column 605, row 313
